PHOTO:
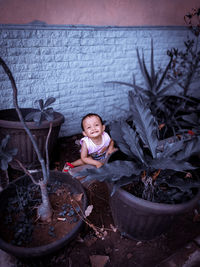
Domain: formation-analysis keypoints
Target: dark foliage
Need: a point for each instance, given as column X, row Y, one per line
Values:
column 6, row 154
column 43, row 113
column 147, row 158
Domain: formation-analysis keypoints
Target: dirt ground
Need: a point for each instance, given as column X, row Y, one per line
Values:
column 107, row 247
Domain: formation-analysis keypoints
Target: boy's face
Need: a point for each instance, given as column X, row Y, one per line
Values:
column 93, row 127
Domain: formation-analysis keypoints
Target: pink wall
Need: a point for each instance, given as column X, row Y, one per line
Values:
column 96, row 12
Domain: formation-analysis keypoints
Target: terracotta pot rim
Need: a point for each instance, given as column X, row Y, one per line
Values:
column 59, row 119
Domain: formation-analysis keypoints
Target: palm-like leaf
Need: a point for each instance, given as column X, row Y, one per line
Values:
column 143, row 69
column 44, row 112
column 137, row 89
column 131, row 138
column 118, row 136
column 145, row 125
column 41, row 104
column 49, row 101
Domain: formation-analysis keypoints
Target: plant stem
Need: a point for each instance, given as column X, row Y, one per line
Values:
column 44, row 210
column 26, row 171
column 46, row 149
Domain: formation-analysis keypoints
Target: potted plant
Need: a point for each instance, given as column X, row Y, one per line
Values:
column 39, row 195
column 150, row 183
column 38, row 121
column 158, row 93
column 168, row 92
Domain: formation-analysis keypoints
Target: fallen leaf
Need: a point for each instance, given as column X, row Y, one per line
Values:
column 98, row 260
column 88, row 210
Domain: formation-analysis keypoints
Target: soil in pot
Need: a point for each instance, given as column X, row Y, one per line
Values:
column 175, row 188
column 19, row 224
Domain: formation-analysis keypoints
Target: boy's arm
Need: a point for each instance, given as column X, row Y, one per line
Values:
column 111, row 148
column 88, row 160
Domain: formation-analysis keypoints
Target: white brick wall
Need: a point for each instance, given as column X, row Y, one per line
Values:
column 72, row 64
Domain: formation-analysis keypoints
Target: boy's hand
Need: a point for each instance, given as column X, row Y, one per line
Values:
column 99, row 164
column 111, row 150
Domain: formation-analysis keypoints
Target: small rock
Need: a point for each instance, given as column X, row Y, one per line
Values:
column 98, row 260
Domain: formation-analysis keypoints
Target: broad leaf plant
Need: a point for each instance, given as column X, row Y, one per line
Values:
column 159, row 167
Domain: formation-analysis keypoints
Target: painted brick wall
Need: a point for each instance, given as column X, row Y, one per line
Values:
column 72, row 64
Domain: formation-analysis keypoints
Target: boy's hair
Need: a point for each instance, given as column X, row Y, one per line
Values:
column 90, row 115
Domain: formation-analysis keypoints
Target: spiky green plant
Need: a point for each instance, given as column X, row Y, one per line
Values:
column 155, row 92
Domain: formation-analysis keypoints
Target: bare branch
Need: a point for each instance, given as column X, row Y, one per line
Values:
column 26, row 172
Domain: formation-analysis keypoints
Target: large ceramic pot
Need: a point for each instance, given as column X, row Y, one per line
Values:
column 144, row 220
column 38, row 251
column 10, row 124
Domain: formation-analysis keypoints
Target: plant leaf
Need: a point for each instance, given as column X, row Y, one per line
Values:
column 132, row 140
column 169, row 149
column 144, row 70
column 111, row 172
column 153, row 76
column 118, row 136
column 37, row 117
column 171, row 164
column 49, row 101
column 5, row 141
column 163, row 75
column 30, row 116
column 4, row 164
column 41, row 104
column 189, row 148
column 134, row 86
column 145, row 125
column 48, row 114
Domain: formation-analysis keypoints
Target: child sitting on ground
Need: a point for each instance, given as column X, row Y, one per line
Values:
column 96, row 144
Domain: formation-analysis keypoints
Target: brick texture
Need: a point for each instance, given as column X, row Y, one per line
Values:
column 73, row 64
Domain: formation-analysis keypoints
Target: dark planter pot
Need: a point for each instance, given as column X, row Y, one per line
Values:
column 10, row 124
column 23, row 252
column 144, row 220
